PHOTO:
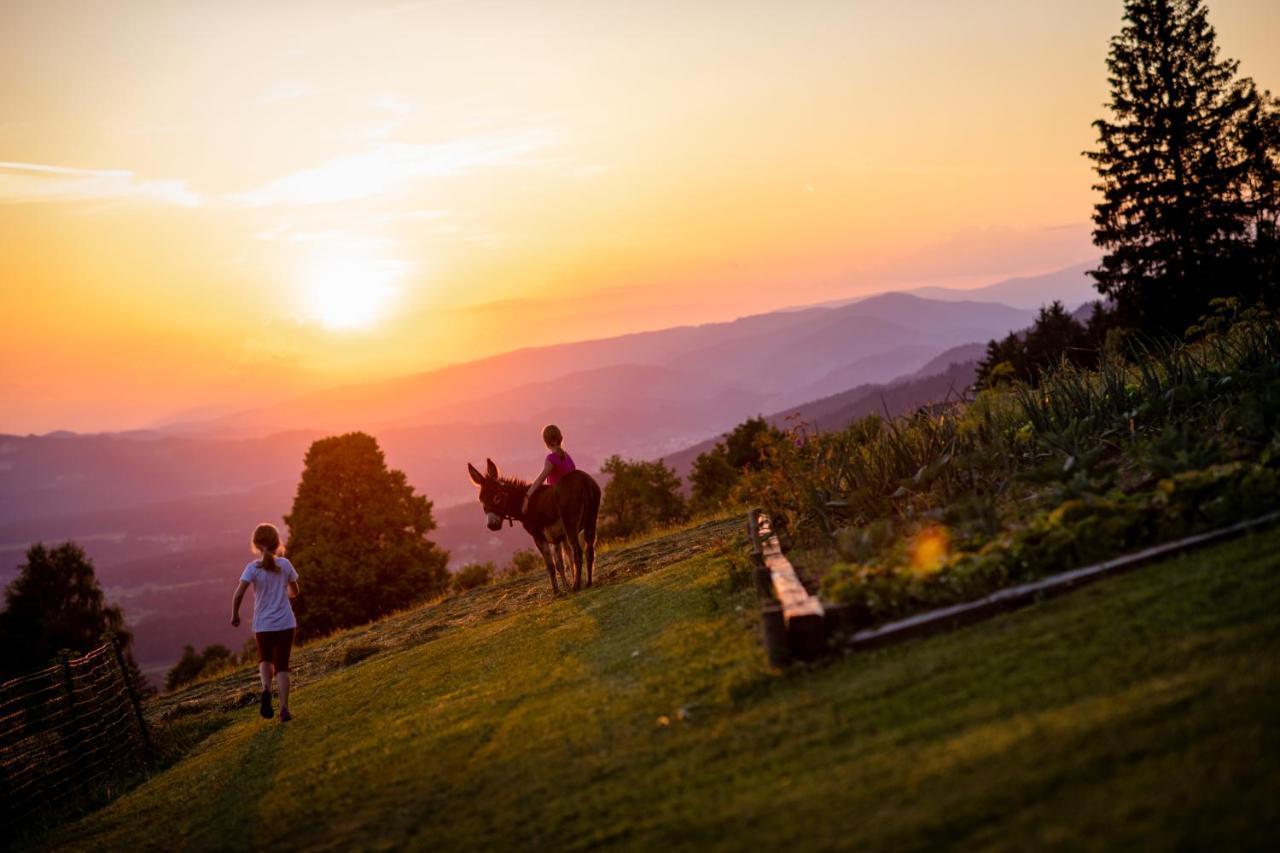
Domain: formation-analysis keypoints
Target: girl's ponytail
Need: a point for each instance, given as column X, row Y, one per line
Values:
column 267, row 540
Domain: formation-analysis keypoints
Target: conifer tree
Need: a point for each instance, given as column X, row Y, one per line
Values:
column 1168, row 169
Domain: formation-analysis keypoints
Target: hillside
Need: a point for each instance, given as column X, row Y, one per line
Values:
column 951, row 381
column 1070, row 285
column 642, row 714
column 163, row 513
column 778, row 355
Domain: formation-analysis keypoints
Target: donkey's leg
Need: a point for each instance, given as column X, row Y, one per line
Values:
column 590, row 515
column 544, row 548
column 571, row 534
column 590, row 535
column 557, row 554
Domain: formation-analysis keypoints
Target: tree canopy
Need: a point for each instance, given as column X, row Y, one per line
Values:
column 1186, row 168
column 640, row 496
column 358, row 537
column 55, row 603
column 717, row 471
column 193, row 664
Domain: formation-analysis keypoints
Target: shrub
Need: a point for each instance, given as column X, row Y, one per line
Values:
column 473, row 575
column 192, row 665
column 716, row 472
column 639, row 497
column 523, row 562
column 1077, row 532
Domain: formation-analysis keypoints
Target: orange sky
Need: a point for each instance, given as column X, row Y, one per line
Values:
column 218, row 204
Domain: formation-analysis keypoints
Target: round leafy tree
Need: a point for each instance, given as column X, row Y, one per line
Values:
column 54, row 603
column 358, row 535
column 640, row 496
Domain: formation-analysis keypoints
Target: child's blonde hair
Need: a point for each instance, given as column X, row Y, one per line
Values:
column 551, row 435
column 266, row 539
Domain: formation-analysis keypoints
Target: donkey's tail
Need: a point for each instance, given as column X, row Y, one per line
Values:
column 591, row 512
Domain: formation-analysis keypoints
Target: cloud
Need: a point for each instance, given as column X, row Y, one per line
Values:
column 35, row 182
column 388, row 166
column 285, row 90
column 398, row 110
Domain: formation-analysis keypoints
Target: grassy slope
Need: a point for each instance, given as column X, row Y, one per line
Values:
column 1138, row 711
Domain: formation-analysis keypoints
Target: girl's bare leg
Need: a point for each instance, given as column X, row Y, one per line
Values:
column 282, row 678
column 264, row 670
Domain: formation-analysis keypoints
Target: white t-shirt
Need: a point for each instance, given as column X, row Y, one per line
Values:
column 271, row 609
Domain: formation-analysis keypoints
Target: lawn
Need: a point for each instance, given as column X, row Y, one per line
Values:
column 1138, row 712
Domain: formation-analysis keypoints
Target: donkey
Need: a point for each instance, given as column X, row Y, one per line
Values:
column 557, row 514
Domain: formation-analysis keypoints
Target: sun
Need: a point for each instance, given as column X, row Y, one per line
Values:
column 348, row 286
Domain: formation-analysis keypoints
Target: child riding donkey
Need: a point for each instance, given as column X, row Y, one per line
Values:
column 554, row 514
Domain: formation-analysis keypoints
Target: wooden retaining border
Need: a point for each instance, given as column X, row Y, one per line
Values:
column 805, row 643
column 795, row 623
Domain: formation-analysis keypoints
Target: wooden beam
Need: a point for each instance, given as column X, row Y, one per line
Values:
column 802, row 613
column 1011, row 598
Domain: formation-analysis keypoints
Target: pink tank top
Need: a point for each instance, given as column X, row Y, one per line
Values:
column 559, row 467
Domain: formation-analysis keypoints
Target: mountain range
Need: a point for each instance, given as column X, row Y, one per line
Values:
column 166, row 512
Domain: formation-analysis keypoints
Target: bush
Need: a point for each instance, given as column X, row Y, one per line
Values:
column 473, row 575
column 716, row 472
column 192, row 665
column 1073, row 534
column 523, row 562
column 639, row 497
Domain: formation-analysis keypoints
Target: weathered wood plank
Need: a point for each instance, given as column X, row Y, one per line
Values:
column 802, row 613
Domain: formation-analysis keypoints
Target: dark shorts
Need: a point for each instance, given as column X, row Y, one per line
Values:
column 274, row 648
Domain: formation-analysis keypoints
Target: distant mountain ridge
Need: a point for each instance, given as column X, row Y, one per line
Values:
column 164, row 513
column 1070, row 286
column 768, row 359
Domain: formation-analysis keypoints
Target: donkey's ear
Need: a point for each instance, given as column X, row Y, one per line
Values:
column 493, row 469
column 476, row 476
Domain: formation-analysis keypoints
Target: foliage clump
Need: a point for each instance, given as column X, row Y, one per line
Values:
column 472, row 576
column 193, row 665
column 54, row 604
column 523, row 562
column 717, row 472
column 640, row 496
column 358, row 535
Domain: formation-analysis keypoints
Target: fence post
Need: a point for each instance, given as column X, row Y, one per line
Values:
column 75, row 743
column 147, row 754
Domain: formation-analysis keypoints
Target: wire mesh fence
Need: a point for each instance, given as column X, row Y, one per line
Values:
column 70, row 735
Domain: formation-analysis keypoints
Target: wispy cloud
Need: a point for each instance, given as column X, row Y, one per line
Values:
column 285, row 90
column 33, row 182
column 388, row 166
column 398, row 112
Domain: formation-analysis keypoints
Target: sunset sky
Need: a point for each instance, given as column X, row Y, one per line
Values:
column 220, row 204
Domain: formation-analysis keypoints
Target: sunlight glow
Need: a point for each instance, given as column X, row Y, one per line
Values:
column 348, row 286
column 930, row 549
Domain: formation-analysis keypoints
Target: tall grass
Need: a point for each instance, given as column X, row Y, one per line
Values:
column 1075, row 429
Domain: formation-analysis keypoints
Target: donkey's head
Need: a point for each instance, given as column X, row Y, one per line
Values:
column 498, row 504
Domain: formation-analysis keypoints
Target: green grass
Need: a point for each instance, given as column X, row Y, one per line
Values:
column 1138, row 712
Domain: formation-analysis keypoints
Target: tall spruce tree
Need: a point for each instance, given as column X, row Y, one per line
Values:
column 1258, row 136
column 1169, row 169
column 358, row 536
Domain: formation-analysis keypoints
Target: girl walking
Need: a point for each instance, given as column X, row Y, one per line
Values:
column 275, row 582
